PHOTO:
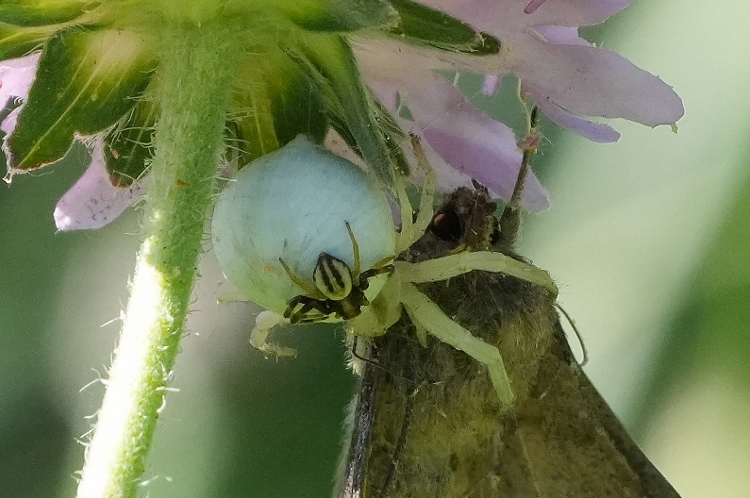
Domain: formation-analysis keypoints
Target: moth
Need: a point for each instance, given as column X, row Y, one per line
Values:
column 425, row 422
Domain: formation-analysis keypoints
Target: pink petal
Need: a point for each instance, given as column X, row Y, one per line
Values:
column 561, row 35
column 491, row 84
column 9, row 123
column 588, row 81
column 93, row 201
column 596, row 132
column 500, row 17
column 387, row 61
column 470, row 141
column 16, row 77
column 574, row 12
column 482, row 161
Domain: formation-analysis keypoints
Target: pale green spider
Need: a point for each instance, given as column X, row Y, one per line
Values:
column 371, row 319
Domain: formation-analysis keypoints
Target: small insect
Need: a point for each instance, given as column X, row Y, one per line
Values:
column 368, row 301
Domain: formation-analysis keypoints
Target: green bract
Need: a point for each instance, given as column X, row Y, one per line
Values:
column 294, row 204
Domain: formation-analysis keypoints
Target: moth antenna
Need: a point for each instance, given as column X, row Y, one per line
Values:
column 585, row 352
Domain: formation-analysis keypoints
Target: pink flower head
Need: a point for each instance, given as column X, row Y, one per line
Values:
column 404, row 49
column 462, row 142
column 567, row 77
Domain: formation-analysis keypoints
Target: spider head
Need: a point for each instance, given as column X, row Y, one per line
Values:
column 332, row 277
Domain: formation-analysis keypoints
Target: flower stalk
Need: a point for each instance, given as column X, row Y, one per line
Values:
column 195, row 82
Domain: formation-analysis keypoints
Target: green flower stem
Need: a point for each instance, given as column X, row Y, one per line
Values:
column 195, row 80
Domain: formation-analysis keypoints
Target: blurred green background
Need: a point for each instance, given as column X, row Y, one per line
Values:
column 648, row 239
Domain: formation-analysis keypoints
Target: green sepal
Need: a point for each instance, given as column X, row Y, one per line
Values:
column 274, row 102
column 329, row 60
column 43, row 12
column 19, row 41
column 128, row 146
column 392, row 134
column 85, row 83
column 339, row 15
column 421, row 25
column 254, row 134
column 298, row 107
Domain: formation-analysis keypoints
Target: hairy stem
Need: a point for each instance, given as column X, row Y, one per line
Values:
column 195, row 78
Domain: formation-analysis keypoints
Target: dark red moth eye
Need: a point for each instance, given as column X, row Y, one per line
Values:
column 446, row 225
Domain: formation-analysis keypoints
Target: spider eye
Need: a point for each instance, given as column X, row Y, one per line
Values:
column 332, row 277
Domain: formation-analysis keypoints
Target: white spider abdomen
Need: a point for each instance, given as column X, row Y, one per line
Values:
column 294, row 204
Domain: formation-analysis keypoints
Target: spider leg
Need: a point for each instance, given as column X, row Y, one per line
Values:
column 308, row 304
column 426, row 202
column 452, row 265
column 411, row 230
column 304, row 315
column 380, row 314
column 365, row 275
column 309, row 290
column 405, row 237
column 264, row 323
column 428, row 315
column 355, row 250
column 293, row 303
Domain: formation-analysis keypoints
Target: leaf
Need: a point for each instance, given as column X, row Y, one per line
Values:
column 339, row 15
column 274, row 102
column 19, row 41
column 424, row 26
column 297, row 107
column 42, row 12
column 252, row 115
column 330, row 63
column 86, row 81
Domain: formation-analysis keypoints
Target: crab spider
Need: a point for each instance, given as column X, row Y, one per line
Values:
column 369, row 301
column 338, row 290
column 287, row 212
